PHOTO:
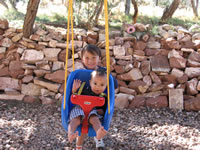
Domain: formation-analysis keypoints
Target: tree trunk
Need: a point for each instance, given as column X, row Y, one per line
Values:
column 3, row 3
column 79, row 8
column 195, row 7
column 94, row 13
column 168, row 12
column 30, row 17
column 98, row 13
column 13, row 4
column 156, row 2
column 127, row 7
column 135, row 11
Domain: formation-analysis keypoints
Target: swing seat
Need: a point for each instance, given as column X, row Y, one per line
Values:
column 84, row 75
column 87, row 103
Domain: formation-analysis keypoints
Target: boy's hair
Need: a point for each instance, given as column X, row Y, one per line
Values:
column 99, row 72
column 93, row 49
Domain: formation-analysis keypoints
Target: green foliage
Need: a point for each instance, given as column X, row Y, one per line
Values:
column 185, row 4
column 12, row 14
column 164, row 3
column 84, row 9
column 44, row 3
column 80, row 18
column 115, row 25
column 42, row 26
column 54, row 18
column 143, row 2
column 141, row 19
column 24, row 1
column 154, row 30
column 85, row 1
column 183, row 22
column 127, row 18
column 148, row 20
column 43, row 18
column 58, row 17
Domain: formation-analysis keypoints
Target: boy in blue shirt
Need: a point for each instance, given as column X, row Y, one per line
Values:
column 91, row 55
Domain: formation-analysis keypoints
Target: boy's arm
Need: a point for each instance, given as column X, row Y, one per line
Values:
column 76, row 85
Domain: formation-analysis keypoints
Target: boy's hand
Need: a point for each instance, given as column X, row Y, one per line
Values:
column 76, row 85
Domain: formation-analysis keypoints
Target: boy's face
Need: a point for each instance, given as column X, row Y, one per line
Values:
column 90, row 60
column 98, row 84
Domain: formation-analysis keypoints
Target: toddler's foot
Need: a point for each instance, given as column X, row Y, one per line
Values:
column 101, row 132
column 72, row 136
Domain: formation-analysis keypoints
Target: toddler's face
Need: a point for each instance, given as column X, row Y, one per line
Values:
column 90, row 60
column 98, row 84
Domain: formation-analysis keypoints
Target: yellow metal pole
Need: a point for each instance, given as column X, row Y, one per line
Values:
column 67, row 48
column 107, row 52
column 72, row 27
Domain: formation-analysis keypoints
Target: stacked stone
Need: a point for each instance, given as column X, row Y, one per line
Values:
column 165, row 70
column 33, row 69
column 153, row 71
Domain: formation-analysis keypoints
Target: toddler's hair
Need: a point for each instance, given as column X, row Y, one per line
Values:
column 93, row 49
column 99, row 72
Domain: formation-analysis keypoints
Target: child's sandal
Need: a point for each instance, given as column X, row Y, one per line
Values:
column 78, row 147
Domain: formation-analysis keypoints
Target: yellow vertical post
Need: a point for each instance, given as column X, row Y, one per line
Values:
column 67, row 48
column 107, row 52
column 72, row 27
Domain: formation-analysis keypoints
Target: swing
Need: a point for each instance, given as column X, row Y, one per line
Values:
column 84, row 75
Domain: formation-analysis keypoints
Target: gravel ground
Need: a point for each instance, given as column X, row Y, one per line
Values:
column 33, row 126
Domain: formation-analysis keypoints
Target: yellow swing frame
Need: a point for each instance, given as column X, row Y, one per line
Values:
column 70, row 17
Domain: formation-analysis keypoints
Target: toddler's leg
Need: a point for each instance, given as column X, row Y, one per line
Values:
column 74, row 123
column 96, row 124
column 79, row 141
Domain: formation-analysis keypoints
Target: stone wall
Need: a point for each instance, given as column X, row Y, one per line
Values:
column 153, row 71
